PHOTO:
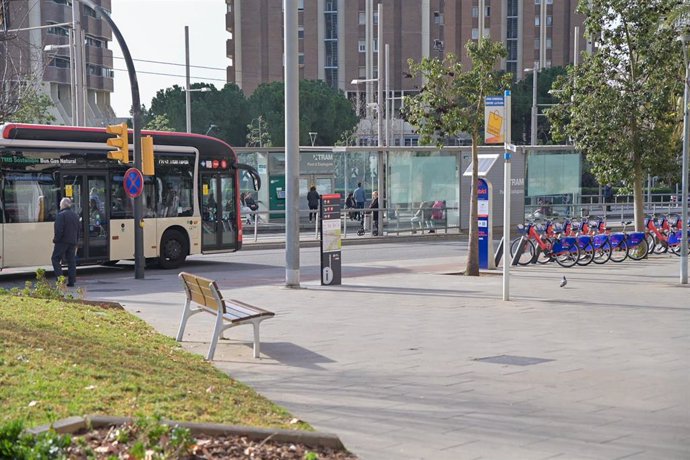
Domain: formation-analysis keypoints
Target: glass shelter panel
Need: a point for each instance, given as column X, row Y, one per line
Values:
column 420, row 179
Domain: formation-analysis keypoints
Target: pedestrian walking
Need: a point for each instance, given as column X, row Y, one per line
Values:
column 608, row 196
column 65, row 238
column 375, row 213
column 313, row 202
column 360, row 198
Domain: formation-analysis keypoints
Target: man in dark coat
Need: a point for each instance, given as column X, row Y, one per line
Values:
column 313, row 198
column 65, row 239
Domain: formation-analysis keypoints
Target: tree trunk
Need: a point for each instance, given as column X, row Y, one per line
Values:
column 472, row 267
column 638, row 195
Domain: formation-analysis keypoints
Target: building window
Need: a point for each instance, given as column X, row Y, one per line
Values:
column 475, row 11
column 300, row 33
column 331, row 6
column 99, row 71
column 549, row 21
column 58, row 30
column 363, row 18
column 60, row 62
column 438, row 18
column 300, row 58
column 512, row 32
column 475, row 33
column 300, row 5
column 362, row 46
column 548, row 43
column 95, row 42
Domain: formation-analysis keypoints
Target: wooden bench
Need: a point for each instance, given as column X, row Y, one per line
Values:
column 229, row 313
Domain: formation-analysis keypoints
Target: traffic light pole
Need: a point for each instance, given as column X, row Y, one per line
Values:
column 139, row 260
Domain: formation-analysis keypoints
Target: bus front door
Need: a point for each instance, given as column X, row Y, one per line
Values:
column 218, row 216
column 87, row 192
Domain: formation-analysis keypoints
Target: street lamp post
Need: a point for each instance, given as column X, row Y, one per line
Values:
column 535, row 107
column 369, row 106
column 685, row 39
column 188, row 103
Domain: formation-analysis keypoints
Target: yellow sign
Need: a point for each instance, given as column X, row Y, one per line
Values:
column 68, row 191
column 494, row 120
column 495, row 123
column 205, row 189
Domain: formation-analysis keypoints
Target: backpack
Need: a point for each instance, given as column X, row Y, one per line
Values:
column 437, row 212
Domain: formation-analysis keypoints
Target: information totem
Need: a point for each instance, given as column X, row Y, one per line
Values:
column 486, row 249
column 330, row 239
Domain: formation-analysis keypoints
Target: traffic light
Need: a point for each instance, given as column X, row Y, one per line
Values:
column 121, row 142
column 147, row 166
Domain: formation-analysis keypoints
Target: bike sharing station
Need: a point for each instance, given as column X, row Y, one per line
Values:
column 331, row 242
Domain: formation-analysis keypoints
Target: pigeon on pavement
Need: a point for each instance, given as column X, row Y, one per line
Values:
column 564, row 282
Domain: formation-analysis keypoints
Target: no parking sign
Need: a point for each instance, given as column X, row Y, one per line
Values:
column 133, row 182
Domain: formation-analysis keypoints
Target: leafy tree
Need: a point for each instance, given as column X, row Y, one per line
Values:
column 258, row 135
column 156, row 122
column 322, row 109
column 451, row 102
column 32, row 107
column 226, row 109
column 616, row 105
column 521, row 103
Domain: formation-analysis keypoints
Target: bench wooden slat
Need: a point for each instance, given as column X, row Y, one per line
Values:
column 238, row 303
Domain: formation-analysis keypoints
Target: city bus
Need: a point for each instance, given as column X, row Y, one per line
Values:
column 191, row 205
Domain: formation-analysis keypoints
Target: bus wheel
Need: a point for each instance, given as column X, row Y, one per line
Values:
column 173, row 249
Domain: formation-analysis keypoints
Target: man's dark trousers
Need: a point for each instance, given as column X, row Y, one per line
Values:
column 66, row 252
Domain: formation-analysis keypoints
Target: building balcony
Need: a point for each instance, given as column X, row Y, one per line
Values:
column 100, row 83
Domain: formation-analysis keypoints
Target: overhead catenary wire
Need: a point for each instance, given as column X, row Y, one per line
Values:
column 172, row 75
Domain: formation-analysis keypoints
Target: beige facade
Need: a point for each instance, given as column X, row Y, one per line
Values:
column 332, row 35
column 42, row 54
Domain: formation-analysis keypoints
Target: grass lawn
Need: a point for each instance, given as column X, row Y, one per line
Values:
column 59, row 359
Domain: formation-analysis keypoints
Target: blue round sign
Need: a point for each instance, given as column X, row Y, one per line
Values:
column 133, row 182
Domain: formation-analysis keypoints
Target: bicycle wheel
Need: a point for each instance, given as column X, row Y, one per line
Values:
column 586, row 255
column 602, row 254
column 568, row 257
column 660, row 246
column 527, row 254
column 639, row 251
column 650, row 242
column 544, row 256
column 619, row 252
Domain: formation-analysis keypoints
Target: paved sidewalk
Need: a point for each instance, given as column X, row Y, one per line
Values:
column 391, row 361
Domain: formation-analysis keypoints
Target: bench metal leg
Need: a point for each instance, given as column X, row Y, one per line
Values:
column 217, row 331
column 257, row 342
column 186, row 313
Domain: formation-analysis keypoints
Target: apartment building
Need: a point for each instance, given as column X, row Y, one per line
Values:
column 35, row 46
column 333, row 44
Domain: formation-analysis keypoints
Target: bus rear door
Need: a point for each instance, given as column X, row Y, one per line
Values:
column 88, row 194
column 218, row 216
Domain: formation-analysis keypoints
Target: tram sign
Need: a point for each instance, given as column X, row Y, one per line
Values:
column 133, row 182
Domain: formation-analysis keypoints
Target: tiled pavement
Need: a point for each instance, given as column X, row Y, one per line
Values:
column 389, row 360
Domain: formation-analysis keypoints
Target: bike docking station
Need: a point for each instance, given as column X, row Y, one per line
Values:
column 330, row 241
